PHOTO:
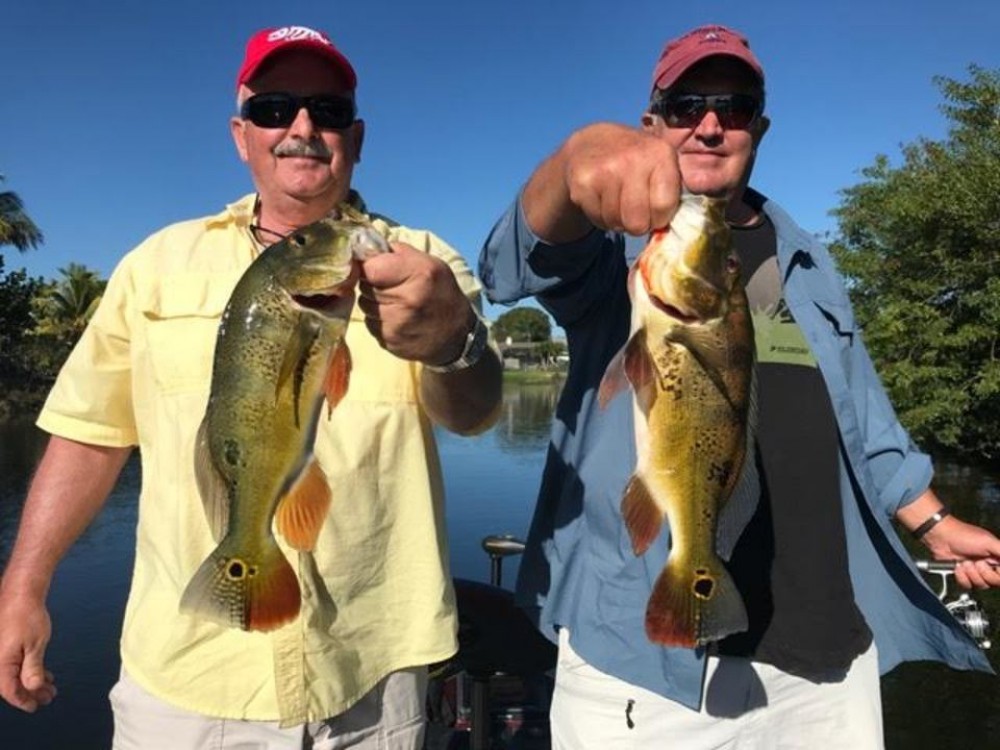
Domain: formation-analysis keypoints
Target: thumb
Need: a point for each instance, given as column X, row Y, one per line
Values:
column 388, row 269
column 33, row 674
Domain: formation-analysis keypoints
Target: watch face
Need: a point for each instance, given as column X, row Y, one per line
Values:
column 477, row 342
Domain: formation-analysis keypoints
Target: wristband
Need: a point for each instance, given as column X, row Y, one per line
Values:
column 930, row 523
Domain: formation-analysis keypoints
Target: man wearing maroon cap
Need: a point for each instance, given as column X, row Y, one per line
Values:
column 377, row 600
column 831, row 594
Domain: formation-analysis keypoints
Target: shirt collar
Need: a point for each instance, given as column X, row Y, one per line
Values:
column 240, row 212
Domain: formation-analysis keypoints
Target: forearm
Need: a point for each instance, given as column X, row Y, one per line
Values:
column 548, row 205
column 467, row 401
column 68, row 490
column 918, row 511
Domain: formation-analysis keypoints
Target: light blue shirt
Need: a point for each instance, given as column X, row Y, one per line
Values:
column 579, row 570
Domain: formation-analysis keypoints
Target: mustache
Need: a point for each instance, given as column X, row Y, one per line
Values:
column 312, row 149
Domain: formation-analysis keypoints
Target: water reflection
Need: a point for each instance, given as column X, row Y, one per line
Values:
column 526, row 418
column 491, row 481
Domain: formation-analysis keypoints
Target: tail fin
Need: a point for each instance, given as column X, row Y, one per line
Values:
column 691, row 606
column 252, row 591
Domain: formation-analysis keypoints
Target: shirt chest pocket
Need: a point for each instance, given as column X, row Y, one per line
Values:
column 182, row 323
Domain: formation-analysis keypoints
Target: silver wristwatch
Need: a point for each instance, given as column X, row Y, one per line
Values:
column 476, row 342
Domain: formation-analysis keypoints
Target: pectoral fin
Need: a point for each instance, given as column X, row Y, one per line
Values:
column 631, row 366
column 299, row 516
column 211, row 486
column 337, row 376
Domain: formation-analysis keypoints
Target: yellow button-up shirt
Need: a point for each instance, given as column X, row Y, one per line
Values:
column 377, row 596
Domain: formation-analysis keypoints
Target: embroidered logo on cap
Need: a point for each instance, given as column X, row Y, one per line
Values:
column 295, row 33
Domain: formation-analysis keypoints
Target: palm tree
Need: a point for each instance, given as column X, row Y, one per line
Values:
column 16, row 227
column 67, row 305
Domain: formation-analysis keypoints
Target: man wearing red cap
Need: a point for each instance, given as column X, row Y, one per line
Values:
column 377, row 601
column 831, row 594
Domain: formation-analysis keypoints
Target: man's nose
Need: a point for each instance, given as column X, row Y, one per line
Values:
column 302, row 126
column 709, row 125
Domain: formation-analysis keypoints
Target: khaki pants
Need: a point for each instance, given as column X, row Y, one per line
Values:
column 746, row 706
column 389, row 717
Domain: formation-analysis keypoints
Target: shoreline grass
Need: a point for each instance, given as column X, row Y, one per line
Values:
column 533, row 377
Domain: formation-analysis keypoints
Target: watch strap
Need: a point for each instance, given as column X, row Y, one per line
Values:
column 476, row 342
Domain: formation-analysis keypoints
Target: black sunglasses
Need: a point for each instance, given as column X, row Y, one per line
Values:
column 735, row 111
column 279, row 110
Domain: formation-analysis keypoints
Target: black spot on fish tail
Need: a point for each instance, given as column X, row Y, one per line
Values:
column 704, row 584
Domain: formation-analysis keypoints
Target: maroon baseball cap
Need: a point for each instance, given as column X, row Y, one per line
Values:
column 266, row 43
column 705, row 41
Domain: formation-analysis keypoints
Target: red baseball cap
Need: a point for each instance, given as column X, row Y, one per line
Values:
column 265, row 43
column 705, row 41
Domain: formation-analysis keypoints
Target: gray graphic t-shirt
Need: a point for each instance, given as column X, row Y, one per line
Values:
column 790, row 564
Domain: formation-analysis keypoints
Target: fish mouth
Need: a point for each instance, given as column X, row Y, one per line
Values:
column 331, row 302
column 330, row 305
column 674, row 312
column 318, row 302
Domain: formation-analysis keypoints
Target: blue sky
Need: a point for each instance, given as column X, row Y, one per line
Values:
column 115, row 114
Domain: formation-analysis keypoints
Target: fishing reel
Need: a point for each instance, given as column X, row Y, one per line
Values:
column 965, row 609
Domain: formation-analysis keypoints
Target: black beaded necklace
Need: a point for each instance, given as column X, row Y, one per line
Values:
column 256, row 229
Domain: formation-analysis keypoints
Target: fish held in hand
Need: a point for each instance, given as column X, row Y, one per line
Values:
column 689, row 361
column 280, row 352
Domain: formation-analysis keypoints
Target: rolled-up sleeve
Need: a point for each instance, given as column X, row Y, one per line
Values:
column 515, row 263
column 900, row 470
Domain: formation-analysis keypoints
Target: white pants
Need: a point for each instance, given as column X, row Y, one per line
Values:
column 746, row 706
column 388, row 717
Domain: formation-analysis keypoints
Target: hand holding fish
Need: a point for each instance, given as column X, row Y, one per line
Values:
column 615, row 177
column 414, row 306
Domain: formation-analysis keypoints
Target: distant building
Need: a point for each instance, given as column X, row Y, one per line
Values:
column 521, row 356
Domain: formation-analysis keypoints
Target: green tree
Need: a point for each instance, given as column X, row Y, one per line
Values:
column 549, row 350
column 16, row 227
column 19, row 378
column 522, row 325
column 920, row 246
column 65, row 307
column 62, row 310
